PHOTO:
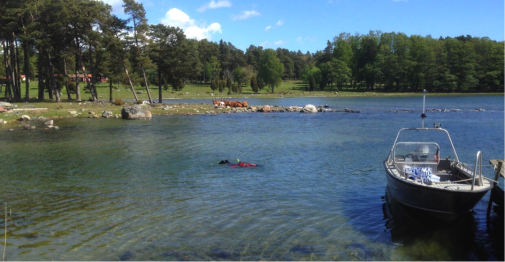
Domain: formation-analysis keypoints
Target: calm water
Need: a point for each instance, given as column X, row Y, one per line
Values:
column 152, row 190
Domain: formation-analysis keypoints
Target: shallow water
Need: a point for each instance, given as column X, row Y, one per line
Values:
column 152, row 190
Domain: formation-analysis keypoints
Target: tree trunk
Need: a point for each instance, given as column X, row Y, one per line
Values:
column 27, row 70
column 130, row 82
column 110, row 90
column 11, row 89
column 65, row 78
column 141, row 65
column 47, row 84
column 129, row 79
column 93, row 75
column 77, row 87
column 40, row 69
column 17, row 74
column 159, row 86
column 8, row 94
column 88, row 82
column 145, row 82
column 52, row 80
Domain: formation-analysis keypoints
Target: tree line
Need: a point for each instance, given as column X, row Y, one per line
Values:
column 58, row 41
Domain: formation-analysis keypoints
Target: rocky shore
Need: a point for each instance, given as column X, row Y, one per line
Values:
column 29, row 117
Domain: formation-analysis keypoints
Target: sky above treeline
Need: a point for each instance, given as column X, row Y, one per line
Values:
column 308, row 25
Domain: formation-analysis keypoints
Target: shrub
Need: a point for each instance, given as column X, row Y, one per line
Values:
column 118, row 102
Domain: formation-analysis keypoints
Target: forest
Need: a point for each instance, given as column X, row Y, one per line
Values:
column 74, row 44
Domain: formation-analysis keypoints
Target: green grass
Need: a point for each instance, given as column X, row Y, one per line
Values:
column 288, row 88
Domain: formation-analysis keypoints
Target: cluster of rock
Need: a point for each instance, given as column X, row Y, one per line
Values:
column 5, row 107
column 280, row 109
column 30, row 123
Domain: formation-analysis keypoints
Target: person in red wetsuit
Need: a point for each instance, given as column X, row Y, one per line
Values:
column 239, row 164
column 242, row 164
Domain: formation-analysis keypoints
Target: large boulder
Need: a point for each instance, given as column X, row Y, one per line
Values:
column 266, row 109
column 136, row 112
column 309, row 109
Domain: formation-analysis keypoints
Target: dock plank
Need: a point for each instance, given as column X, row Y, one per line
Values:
column 495, row 162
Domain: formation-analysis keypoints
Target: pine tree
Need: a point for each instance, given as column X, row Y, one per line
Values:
column 312, row 84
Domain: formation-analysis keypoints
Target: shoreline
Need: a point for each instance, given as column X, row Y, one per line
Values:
column 49, row 110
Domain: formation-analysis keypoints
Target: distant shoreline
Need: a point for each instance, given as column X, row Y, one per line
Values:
column 65, row 109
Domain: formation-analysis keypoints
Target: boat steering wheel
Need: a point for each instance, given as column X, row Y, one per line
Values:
column 414, row 157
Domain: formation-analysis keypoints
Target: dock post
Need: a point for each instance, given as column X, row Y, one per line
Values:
column 498, row 167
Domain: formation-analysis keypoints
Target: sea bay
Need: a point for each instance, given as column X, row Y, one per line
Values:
column 109, row 189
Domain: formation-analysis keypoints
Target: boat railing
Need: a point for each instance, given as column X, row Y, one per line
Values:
column 478, row 168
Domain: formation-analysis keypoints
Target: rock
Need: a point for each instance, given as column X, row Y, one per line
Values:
column 136, row 112
column 2, row 122
column 25, row 118
column 309, row 109
column 11, row 130
column 140, row 92
column 266, row 109
column 96, row 116
column 91, row 112
column 2, row 109
column 73, row 112
column 41, row 118
column 7, row 106
column 107, row 114
column 49, row 123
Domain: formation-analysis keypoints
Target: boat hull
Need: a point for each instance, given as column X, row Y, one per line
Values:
column 446, row 205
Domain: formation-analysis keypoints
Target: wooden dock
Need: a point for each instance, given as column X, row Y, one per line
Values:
column 497, row 192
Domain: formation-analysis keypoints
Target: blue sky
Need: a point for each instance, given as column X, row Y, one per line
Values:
column 307, row 25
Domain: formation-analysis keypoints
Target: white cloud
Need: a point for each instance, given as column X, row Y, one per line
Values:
column 279, row 23
column 245, row 15
column 264, row 44
column 303, row 40
column 267, row 43
column 177, row 18
column 213, row 5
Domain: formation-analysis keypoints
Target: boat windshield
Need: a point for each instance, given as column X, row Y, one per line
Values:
column 413, row 152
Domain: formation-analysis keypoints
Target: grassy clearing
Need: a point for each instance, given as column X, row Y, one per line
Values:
column 288, row 88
